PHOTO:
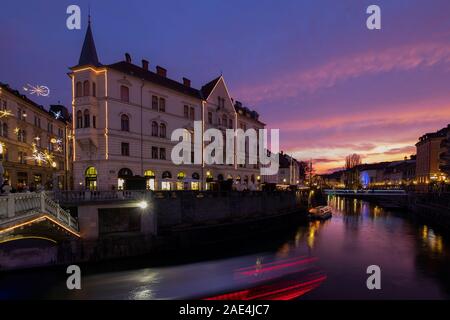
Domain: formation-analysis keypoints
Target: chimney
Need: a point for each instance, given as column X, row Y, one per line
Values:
column 161, row 71
column 145, row 64
column 127, row 57
column 187, row 82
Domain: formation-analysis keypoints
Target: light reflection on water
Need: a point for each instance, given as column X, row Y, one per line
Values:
column 322, row 260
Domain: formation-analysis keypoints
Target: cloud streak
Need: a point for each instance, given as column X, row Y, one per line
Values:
column 401, row 58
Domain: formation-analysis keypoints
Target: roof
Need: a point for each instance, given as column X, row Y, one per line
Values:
column 25, row 99
column 432, row 135
column 150, row 76
column 208, row 88
column 88, row 54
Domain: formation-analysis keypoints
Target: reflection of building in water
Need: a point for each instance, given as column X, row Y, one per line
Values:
column 433, row 241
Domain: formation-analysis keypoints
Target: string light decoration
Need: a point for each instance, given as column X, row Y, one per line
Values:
column 37, row 90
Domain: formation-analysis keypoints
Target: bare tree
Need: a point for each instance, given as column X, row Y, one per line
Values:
column 352, row 162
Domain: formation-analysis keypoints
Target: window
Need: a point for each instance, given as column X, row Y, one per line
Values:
column 162, row 153
column 154, row 129
column 49, row 144
column 37, row 121
column 162, row 104
column 186, row 111
column 22, row 157
column 50, row 127
column 162, row 130
column 21, row 135
column 125, row 123
column 154, row 153
column 5, row 130
column 230, row 124
column 79, row 119
column 124, row 94
column 86, row 88
column 94, row 122
column 78, row 89
column 60, row 133
column 94, row 89
column 192, row 113
column 125, row 149
column 87, row 119
column 21, row 114
column 38, row 141
column 155, row 103
column 210, row 117
column 224, row 120
column 221, row 102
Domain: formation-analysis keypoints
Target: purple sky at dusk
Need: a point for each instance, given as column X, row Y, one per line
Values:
column 310, row 68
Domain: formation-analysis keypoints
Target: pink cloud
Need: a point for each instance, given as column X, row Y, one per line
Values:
column 403, row 58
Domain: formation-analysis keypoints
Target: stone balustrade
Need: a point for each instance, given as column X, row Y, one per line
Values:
column 18, row 204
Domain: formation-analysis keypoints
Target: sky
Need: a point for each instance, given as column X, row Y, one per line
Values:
column 310, row 68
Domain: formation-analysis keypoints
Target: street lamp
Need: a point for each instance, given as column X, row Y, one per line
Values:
column 143, row 204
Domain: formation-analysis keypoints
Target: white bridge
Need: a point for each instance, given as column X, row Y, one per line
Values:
column 34, row 215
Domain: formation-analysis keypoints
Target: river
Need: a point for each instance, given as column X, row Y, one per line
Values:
column 318, row 260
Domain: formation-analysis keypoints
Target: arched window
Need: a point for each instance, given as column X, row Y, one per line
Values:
column 91, row 178
column 124, row 94
column 79, row 119
column 154, row 129
column 125, row 123
column 87, row 122
column 195, row 176
column 86, row 88
column 94, row 89
column 181, row 175
column 78, row 89
column 162, row 130
column 166, row 175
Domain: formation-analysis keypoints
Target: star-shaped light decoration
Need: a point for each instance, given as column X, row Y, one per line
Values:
column 37, row 90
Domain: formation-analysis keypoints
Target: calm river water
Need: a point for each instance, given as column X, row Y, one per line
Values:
column 318, row 260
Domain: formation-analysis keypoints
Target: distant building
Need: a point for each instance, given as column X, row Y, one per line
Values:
column 124, row 116
column 428, row 152
column 288, row 172
column 331, row 180
column 34, row 142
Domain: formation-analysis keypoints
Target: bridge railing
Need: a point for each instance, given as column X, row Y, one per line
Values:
column 17, row 204
column 87, row 195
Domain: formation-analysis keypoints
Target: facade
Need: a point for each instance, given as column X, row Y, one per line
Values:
column 428, row 152
column 34, row 143
column 123, row 118
column 288, row 172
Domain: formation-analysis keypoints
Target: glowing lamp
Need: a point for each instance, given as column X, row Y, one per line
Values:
column 143, row 204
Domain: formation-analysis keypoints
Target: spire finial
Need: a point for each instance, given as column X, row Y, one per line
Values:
column 89, row 14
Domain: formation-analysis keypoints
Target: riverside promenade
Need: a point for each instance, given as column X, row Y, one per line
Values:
column 115, row 224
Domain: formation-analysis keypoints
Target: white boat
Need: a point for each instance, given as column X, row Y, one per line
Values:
column 320, row 213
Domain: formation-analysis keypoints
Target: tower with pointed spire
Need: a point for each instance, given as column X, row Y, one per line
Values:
column 88, row 54
column 123, row 116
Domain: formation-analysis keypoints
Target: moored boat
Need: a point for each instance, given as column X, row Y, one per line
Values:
column 320, row 213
